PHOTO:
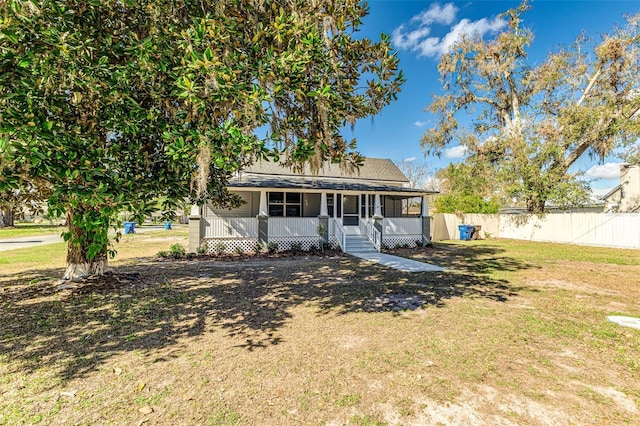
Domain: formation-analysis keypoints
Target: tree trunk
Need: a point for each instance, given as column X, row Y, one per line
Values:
column 7, row 218
column 79, row 266
column 78, row 263
column 535, row 205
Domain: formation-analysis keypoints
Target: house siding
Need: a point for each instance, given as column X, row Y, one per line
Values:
column 249, row 209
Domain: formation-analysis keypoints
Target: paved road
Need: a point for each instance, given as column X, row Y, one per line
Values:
column 39, row 240
column 32, row 241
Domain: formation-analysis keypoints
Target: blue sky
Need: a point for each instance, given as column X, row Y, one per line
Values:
column 421, row 30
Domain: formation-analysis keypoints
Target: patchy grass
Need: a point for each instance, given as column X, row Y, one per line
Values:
column 513, row 333
column 29, row 229
column 130, row 246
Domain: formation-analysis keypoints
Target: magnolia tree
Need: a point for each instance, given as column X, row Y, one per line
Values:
column 530, row 124
column 115, row 104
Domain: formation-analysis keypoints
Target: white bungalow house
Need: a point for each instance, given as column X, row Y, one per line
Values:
column 359, row 212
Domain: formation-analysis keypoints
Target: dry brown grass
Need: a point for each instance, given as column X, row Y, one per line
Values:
column 515, row 333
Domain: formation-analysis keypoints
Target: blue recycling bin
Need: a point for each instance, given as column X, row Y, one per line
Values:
column 129, row 227
column 167, row 225
column 466, row 231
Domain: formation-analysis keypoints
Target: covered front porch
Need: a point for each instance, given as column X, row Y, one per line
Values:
column 289, row 219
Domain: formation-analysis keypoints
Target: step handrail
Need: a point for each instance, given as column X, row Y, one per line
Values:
column 374, row 235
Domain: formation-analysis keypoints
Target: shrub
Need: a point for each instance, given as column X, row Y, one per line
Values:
column 177, row 251
column 163, row 254
column 220, row 247
column 238, row 250
column 191, row 256
column 257, row 247
column 296, row 246
column 201, row 249
column 418, row 243
column 313, row 248
column 272, row 247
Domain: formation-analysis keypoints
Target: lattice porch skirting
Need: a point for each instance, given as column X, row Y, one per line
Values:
column 228, row 245
column 410, row 240
column 247, row 245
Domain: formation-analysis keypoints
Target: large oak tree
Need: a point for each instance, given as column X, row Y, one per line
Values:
column 527, row 124
column 116, row 103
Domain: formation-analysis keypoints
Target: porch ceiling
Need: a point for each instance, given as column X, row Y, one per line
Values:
column 322, row 184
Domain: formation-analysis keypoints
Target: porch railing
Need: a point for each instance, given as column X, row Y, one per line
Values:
column 293, row 227
column 374, row 235
column 367, row 227
column 402, row 226
column 340, row 235
column 230, row 227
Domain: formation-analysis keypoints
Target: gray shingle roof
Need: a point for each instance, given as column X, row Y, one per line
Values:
column 373, row 169
column 301, row 182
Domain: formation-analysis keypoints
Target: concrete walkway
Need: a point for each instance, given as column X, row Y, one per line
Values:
column 399, row 263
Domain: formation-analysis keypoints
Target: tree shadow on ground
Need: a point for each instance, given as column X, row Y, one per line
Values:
column 153, row 304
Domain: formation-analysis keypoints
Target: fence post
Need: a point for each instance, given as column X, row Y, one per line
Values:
column 195, row 230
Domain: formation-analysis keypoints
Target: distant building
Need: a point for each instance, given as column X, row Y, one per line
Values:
column 625, row 198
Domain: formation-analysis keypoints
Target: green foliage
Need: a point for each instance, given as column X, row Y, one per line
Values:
column 177, row 251
column 113, row 105
column 296, row 246
column 530, row 124
column 257, row 247
column 220, row 247
column 238, row 250
column 272, row 247
column 450, row 203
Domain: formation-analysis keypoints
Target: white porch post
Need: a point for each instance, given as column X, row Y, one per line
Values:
column 323, row 205
column 377, row 209
column 195, row 228
column 424, row 207
column 366, row 206
column 263, row 204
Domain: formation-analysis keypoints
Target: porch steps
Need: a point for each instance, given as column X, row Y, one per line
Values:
column 359, row 244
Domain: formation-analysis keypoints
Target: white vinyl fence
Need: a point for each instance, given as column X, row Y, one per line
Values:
column 620, row 230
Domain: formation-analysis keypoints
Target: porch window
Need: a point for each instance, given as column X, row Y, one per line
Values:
column 285, row 204
column 372, row 205
column 330, row 205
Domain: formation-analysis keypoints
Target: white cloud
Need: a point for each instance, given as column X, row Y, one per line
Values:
column 455, row 152
column 439, row 14
column 409, row 160
column 417, row 36
column 604, row 171
column 420, row 123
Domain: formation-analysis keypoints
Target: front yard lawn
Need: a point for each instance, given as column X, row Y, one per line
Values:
column 512, row 333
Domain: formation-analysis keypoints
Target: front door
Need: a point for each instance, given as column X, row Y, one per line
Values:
column 350, row 210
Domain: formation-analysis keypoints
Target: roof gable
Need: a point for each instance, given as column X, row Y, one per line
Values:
column 373, row 169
